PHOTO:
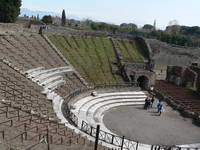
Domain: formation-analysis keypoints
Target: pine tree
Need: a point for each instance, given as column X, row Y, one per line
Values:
column 63, row 18
column 9, row 10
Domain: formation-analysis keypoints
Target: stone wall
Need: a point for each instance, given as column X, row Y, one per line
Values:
column 11, row 28
column 197, row 70
column 132, row 71
column 184, row 76
column 198, row 84
column 137, row 70
column 66, row 31
column 190, row 77
column 59, row 30
column 144, row 45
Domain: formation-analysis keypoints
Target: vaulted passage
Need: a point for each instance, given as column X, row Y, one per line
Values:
column 143, row 82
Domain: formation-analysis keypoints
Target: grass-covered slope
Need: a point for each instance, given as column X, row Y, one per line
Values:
column 130, row 51
column 92, row 57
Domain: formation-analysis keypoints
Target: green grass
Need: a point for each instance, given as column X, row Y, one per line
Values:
column 92, row 57
column 130, row 51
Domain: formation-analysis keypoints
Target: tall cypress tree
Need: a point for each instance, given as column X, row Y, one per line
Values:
column 63, row 18
column 9, row 10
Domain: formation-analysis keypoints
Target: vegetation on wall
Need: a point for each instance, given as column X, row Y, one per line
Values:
column 130, row 51
column 92, row 57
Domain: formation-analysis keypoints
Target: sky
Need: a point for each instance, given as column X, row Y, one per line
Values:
column 140, row 12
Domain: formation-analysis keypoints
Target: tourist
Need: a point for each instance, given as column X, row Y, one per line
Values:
column 161, row 109
column 158, row 105
column 151, row 90
column 152, row 101
column 146, row 103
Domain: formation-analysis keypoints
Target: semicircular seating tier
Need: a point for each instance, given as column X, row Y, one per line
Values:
column 92, row 108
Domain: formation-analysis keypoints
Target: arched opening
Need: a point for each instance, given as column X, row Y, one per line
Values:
column 143, row 82
column 132, row 77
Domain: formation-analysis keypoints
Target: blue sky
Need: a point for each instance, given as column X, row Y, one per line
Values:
column 187, row 12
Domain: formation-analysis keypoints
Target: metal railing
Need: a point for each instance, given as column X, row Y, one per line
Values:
column 103, row 136
column 106, row 137
column 120, row 141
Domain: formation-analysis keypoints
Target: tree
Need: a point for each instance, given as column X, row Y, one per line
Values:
column 113, row 28
column 173, row 22
column 9, row 10
column 130, row 26
column 148, row 27
column 47, row 19
column 63, row 18
column 173, row 29
column 127, row 28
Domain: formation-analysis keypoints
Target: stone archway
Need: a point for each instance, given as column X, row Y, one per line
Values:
column 143, row 82
column 132, row 77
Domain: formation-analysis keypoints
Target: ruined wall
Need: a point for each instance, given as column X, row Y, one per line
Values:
column 198, row 84
column 132, row 71
column 144, row 45
column 190, row 77
column 182, row 76
column 167, row 55
column 59, row 30
column 197, row 70
column 11, row 28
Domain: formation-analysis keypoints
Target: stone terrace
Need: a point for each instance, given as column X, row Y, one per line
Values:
column 26, row 114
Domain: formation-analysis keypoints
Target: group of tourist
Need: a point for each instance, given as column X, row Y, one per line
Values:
column 149, row 104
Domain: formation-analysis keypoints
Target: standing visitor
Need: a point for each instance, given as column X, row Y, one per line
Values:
column 161, row 109
column 152, row 101
column 146, row 103
column 151, row 89
column 158, row 105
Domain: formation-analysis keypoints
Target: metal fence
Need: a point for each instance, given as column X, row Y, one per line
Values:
column 119, row 141
column 103, row 136
column 106, row 137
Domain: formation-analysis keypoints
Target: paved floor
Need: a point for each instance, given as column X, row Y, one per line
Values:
column 138, row 124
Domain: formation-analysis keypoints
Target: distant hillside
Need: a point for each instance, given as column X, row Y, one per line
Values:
column 28, row 12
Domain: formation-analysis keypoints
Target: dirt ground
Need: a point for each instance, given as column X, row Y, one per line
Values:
column 147, row 127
